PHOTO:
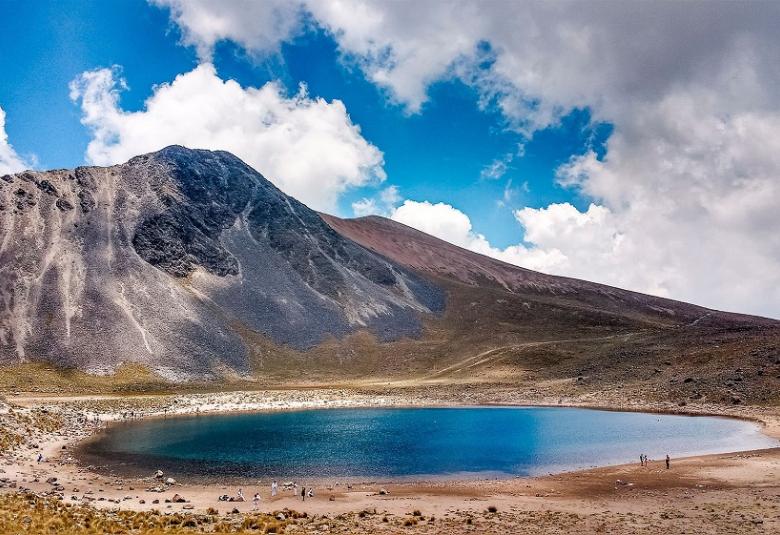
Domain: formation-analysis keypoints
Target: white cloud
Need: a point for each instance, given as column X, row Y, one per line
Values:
column 306, row 146
column 452, row 225
column 691, row 177
column 382, row 204
column 440, row 220
column 10, row 161
column 496, row 169
column 365, row 206
column 257, row 26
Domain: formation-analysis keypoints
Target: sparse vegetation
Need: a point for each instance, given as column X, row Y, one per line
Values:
column 19, row 427
column 34, row 515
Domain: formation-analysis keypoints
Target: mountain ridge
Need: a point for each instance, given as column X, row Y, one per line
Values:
column 429, row 254
column 192, row 265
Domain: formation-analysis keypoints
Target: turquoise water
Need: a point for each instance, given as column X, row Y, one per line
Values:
column 478, row 441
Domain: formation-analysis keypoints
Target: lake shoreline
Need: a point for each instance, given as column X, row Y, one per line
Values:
column 95, row 451
column 726, row 477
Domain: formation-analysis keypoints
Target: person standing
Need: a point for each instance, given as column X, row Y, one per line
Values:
column 274, row 488
column 256, row 502
column 303, row 493
column 668, row 461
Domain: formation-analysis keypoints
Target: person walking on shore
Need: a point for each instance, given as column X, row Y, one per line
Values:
column 274, row 488
column 668, row 461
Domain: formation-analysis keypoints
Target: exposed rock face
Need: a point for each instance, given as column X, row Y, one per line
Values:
column 172, row 258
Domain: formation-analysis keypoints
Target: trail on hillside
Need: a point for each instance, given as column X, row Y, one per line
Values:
column 494, row 354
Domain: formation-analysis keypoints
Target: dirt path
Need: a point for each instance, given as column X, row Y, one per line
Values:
column 495, row 354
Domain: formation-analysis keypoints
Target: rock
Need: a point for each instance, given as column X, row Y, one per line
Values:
column 170, row 481
column 63, row 205
column 158, row 474
column 383, row 492
column 235, row 511
column 280, row 517
column 86, row 201
column 188, row 506
column 47, row 187
column 735, row 400
column 178, row 498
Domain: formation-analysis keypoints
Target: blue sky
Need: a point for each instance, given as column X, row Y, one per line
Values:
column 437, row 154
column 636, row 143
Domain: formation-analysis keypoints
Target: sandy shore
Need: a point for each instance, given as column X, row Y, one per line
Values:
column 727, row 493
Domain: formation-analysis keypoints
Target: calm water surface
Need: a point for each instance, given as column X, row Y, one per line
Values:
column 459, row 442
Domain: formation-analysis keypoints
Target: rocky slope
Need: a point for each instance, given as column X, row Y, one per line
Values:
column 192, row 265
column 172, row 258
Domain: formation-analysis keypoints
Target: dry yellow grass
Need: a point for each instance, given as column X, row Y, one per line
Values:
column 16, row 427
column 34, row 515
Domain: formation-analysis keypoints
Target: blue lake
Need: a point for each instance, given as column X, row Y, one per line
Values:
column 395, row 442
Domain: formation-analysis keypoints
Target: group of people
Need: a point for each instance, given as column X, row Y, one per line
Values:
column 304, row 493
column 643, row 460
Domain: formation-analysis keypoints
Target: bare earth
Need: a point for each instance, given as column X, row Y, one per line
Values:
column 728, row 493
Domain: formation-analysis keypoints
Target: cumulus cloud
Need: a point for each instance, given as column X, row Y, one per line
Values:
column 559, row 239
column 10, row 161
column 307, row 146
column 259, row 27
column 382, row 204
column 395, row 47
column 690, row 177
column 450, row 224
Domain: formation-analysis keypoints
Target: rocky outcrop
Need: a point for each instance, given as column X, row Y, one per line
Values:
column 174, row 259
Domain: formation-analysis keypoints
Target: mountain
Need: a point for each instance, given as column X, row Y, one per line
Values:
column 192, row 265
column 171, row 258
